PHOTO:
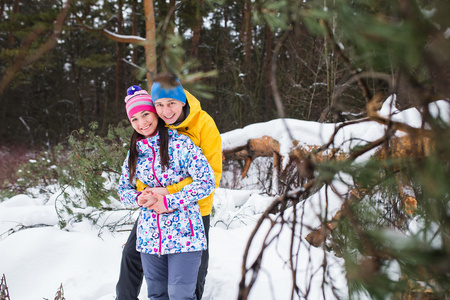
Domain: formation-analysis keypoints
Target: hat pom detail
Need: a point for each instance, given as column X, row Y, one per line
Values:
column 133, row 89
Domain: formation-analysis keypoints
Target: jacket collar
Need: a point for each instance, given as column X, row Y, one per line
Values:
column 143, row 144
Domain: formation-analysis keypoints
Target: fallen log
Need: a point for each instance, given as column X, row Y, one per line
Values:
column 305, row 156
column 269, row 147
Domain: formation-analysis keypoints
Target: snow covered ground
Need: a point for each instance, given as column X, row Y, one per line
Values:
column 36, row 261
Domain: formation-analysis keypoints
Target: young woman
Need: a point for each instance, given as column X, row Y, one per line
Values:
column 181, row 111
column 170, row 231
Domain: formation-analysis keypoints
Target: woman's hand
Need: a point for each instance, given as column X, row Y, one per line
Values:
column 157, row 190
column 159, row 207
column 146, row 199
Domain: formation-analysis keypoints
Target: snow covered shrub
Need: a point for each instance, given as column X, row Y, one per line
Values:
column 259, row 175
column 94, row 165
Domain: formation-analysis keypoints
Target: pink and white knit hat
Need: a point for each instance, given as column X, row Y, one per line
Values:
column 138, row 100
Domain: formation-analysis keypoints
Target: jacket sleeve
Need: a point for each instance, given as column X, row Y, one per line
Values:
column 126, row 190
column 178, row 186
column 199, row 170
column 140, row 186
column 211, row 145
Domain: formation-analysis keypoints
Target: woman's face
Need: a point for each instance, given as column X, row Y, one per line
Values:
column 170, row 110
column 145, row 123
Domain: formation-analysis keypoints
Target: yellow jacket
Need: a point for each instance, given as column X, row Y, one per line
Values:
column 202, row 130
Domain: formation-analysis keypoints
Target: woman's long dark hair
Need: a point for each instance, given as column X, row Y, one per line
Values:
column 163, row 146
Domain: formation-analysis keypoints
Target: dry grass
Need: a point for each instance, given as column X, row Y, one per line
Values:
column 4, row 293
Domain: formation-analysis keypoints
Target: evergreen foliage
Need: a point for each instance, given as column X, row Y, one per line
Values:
column 327, row 61
column 389, row 248
column 95, row 165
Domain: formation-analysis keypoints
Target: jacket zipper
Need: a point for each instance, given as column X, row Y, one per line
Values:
column 191, row 227
column 157, row 215
column 153, row 165
column 160, row 237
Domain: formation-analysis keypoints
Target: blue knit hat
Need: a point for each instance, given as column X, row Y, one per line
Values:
column 159, row 92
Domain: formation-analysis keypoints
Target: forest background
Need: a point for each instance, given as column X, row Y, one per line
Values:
column 82, row 77
column 65, row 67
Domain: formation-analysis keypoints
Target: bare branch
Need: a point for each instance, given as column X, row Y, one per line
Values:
column 22, row 60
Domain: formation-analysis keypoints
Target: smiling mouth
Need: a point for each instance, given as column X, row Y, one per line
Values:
column 145, row 128
column 169, row 117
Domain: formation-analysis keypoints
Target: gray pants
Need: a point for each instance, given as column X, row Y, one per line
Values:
column 171, row 276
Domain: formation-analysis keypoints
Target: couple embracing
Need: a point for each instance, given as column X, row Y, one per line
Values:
column 171, row 170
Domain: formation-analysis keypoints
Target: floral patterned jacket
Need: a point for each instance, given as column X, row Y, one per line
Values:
column 182, row 230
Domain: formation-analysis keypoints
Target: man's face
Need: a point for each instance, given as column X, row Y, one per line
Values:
column 170, row 110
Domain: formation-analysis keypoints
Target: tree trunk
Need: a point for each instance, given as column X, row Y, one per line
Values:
column 248, row 31
column 197, row 29
column 134, row 29
column 268, row 70
column 119, row 48
column 242, row 29
column 150, row 44
column 11, row 33
column 2, row 9
column 171, row 29
column 76, row 80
